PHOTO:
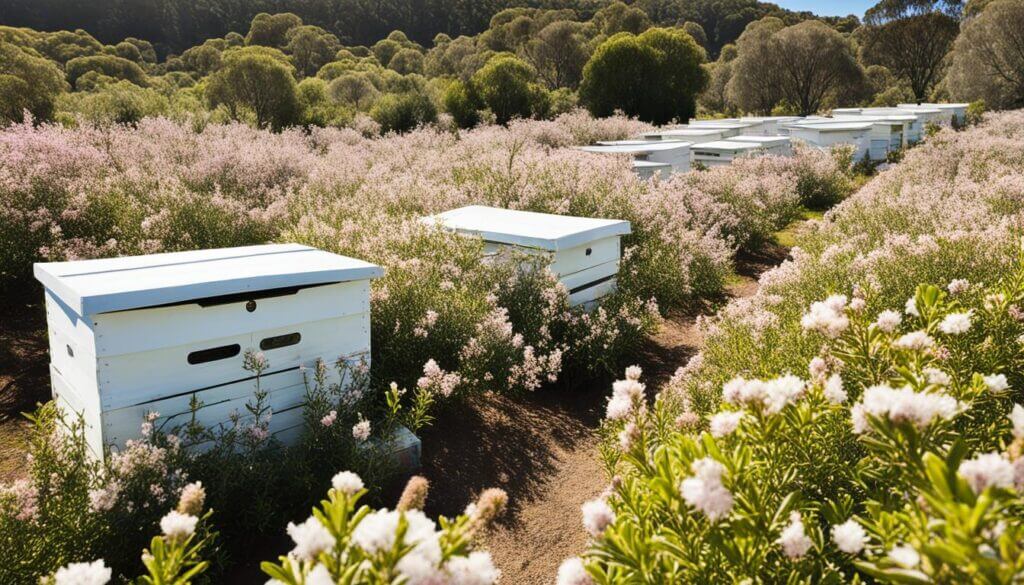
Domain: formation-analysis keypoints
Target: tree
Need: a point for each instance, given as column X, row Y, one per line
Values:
column 753, row 84
column 27, row 82
column 618, row 17
column 108, row 65
column 988, row 58
column 715, row 97
column 558, row 52
column 403, row 112
column 254, row 80
column 655, row 76
column 353, row 88
column 696, row 31
column 271, row 30
column 202, row 59
column 912, row 47
column 311, row 47
column 506, row 85
column 814, row 62
column 462, row 103
column 407, row 61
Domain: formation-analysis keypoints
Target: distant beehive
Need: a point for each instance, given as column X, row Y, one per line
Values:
column 585, row 251
column 131, row 336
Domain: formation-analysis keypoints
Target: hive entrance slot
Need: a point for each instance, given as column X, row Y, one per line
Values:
column 213, row 354
column 280, row 341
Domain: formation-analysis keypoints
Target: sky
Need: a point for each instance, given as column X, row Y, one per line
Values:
column 828, row 7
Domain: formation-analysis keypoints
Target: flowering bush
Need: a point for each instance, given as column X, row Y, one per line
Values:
column 341, row 542
column 898, row 455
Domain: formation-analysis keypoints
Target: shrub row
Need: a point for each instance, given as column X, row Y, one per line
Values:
column 847, row 422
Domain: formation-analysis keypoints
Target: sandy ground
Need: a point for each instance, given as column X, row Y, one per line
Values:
column 24, row 377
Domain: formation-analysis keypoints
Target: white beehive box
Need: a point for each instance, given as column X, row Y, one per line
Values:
column 950, row 111
column 737, row 126
column 723, row 152
column 647, row 169
column 692, row 135
column 776, row 145
column 771, row 124
column 827, row 134
column 135, row 335
column 585, row 250
column 672, row 153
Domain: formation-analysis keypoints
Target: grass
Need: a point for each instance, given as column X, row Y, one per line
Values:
column 787, row 236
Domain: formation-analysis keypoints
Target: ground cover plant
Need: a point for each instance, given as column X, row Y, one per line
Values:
column 859, row 417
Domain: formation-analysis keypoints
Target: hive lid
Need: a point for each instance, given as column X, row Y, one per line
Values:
column 637, row 147
column 727, row 145
column 117, row 284
column 528, row 229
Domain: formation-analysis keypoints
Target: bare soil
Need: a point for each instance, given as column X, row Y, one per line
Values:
column 24, row 376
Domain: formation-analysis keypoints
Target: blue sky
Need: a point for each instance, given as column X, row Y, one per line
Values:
column 828, row 8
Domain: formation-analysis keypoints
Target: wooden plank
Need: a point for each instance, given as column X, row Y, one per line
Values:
column 575, row 259
column 593, row 293
column 149, row 281
column 71, row 349
column 74, row 404
column 588, row 275
column 149, row 329
column 130, row 379
column 528, row 229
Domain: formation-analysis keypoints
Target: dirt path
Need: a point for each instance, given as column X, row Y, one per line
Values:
column 543, row 450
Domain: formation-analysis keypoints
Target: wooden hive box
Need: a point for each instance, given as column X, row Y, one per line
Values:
column 135, row 335
column 585, row 251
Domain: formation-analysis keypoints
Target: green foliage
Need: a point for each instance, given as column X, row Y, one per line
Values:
column 461, row 101
column 253, row 80
column 120, row 102
column 507, row 86
column 271, row 30
column 108, row 65
column 403, row 111
column 29, row 83
column 654, row 76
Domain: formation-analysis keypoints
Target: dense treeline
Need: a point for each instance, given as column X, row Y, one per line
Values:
column 658, row 60
column 175, row 25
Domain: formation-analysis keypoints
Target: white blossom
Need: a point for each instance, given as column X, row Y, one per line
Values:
column 827, row 316
column 987, row 470
column 1017, row 418
column 597, row 516
column 178, row 525
column 572, row 572
column 955, row 323
column 311, row 538
column 834, row 391
column 904, row 556
column 937, row 377
column 476, row 569
column 849, row 537
column 319, row 576
column 888, row 321
column 725, row 422
column 347, row 482
column 997, row 383
column 794, row 540
column 705, row 491
column 915, row 340
column 94, row 573
column 903, row 405
column 910, row 307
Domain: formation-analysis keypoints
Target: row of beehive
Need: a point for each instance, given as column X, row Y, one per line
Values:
column 151, row 334
column 874, row 132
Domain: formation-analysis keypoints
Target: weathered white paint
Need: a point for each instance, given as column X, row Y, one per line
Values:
column 723, row 152
column 675, row 153
column 122, row 330
column 647, row 169
column 828, row 134
column 776, row 145
column 584, row 251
